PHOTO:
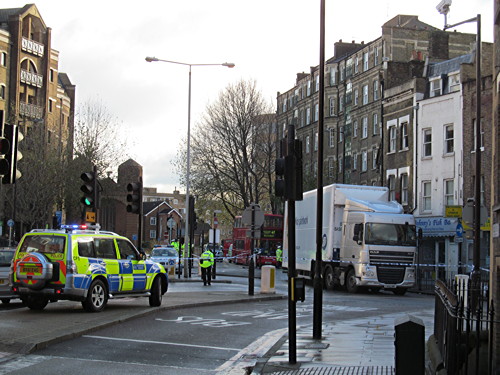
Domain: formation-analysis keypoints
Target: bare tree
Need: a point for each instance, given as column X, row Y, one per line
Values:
column 231, row 150
column 97, row 136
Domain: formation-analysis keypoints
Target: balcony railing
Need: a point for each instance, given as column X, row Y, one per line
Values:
column 31, row 78
column 31, row 110
column 32, row 47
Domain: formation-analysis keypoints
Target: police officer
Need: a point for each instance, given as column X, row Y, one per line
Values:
column 279, row 256
column 206, row 262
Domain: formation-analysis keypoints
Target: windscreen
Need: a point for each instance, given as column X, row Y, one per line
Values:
column 164, row 252
column 47, row 244
column 5, row 257
column 390, row 234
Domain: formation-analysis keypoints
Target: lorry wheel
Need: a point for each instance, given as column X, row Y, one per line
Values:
column 399, row 291
column 156, row 296
column 329, row 279
column 350, row 282
column 97, row 297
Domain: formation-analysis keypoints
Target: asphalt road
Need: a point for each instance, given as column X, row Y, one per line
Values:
column 205, row 339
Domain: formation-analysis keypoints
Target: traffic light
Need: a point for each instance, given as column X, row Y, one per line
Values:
column 4, row 149
column 89, row 189
column 289, row 175
column 192, row 214
column 134, row 197
column 12, row 155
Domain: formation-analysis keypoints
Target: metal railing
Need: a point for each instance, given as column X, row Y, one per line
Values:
column 463, row 326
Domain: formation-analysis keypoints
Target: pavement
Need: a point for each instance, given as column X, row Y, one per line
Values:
column 358, row 346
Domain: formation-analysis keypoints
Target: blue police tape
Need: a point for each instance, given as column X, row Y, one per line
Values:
column 375, row 263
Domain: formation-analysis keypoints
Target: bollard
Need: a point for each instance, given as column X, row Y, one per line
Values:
column 409, row 346
column 268, row 279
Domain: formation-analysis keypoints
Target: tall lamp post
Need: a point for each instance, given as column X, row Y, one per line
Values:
column 444, row 7
column 186, row 230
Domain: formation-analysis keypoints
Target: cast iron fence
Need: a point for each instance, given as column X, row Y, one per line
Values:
column 463, row 326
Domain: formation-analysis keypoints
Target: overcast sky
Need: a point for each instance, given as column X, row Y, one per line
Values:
column 103, row 45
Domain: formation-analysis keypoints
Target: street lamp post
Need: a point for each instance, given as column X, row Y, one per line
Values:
column 186, row 228
column 443, row 8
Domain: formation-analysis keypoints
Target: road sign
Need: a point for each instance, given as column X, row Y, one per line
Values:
column 460, row 230
column 246, row 217
column 90, row 217
column 10, row 223
column 170, row 223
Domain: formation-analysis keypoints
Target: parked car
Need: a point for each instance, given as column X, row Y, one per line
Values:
column 168, row 257
column 265, row 257
column 6, row 293
column 81, row 264
column 218, row 252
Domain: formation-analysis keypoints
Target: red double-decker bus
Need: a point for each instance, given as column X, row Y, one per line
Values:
column 271, row 236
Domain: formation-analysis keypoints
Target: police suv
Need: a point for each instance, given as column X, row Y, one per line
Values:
column 83, row 264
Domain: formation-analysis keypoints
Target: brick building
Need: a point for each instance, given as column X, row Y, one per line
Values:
column 34, row 94
column 495, row 182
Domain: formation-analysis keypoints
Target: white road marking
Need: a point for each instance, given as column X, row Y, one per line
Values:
column 160, row 343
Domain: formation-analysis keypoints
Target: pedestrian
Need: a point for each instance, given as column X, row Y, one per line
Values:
column 279, row 256
column 206, row 262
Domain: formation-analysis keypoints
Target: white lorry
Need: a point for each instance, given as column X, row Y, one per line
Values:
column 367, row 241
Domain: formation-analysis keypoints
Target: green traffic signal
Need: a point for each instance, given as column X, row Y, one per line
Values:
column 89, row 189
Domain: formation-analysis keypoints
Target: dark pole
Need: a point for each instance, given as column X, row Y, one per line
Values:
column 317, row 281
column 476, row 275
column 292, row 311
column 251, row 266
column 214, row 267
column 139, row 237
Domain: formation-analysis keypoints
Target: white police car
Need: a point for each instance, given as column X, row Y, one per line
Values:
column 168, row 257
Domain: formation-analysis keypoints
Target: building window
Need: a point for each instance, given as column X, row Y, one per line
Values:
column 364, row 161
column 365, row 94
column 354, row 161
column 51, row 105
column 340, row 164
column 152, row 234
column 341, row 103
column 356, row 96
column 333, row 76
column 435, row 89
column 2, row 92
column 341, row 134
column 316, row 141
column 404, row 136
column 365, row 61
column 375, row 157
column 3, row 59
column 284, row 106
column 454, row 82
column 331, row 167
column 364, row 127
column 331, row 137
column 375, row 123
column 316, row 112
column 448, row 139
column 51, row 75
column 404, row 188
column 355, row 128
column 475, row 137
column 317, row 83
column 427, row 143
column 356, row 64
column 392, row 139
column 308, row 116
column 392, row 187
column 308, row 144
column 426, row 196
column 152, row 220
column 308, row 88
column 449, row 193
column 332, row 106
column 342, row 73
column 375, row 90
column 376, row 57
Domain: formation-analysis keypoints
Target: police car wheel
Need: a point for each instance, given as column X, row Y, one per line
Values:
column 35, row 303
column 97, row 297
column 156, row 297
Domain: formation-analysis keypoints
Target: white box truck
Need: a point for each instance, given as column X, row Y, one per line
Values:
column 368, row 242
